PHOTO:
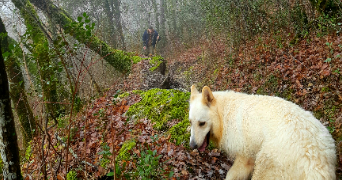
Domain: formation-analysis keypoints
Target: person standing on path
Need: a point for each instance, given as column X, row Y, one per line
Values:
column 150, row 39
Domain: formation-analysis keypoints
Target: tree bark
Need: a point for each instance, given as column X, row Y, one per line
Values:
column 117, row 15
column 9, row 149
column 162, row 22
column 109, row 12
column 155, row 7
column 173, row 18
column 17, row 88
column 40, row 50
column 118, row 59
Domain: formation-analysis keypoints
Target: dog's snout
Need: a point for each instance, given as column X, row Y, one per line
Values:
column 193, row 145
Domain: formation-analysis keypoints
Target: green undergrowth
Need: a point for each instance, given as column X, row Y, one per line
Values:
column 72, row 175
column 124, row 151
column 161, row 106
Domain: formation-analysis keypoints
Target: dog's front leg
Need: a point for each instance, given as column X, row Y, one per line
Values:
column 241, row 169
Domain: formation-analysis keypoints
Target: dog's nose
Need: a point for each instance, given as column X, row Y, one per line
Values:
column 193, row 145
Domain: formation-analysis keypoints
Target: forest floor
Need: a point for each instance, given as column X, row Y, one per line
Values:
column 307, row 73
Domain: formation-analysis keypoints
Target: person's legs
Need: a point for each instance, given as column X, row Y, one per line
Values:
column 146, row 51
column 150, row 50
column 153, row 50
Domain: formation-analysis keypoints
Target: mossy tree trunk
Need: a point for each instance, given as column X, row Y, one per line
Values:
column 118, row 59
column 17, row 88
column 40, row 51
column 9, row 149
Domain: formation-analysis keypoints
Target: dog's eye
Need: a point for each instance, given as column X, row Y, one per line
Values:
column 202, row 123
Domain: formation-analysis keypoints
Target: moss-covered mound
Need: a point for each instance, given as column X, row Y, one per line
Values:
column 162, row 106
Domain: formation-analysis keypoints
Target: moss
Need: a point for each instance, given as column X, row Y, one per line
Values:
column 179, row 133
column 137, row 91
column 124, row 151
column 123, row 95
column 155, row 62
column 137, row 59
column 161, row 106
column 28, row 152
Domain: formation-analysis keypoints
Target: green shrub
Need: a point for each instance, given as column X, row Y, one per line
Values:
column 148, row 165
column 123, row 153
column 105, row 160
column 72, row 175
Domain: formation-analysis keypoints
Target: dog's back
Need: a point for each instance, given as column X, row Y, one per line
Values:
column 285, row 141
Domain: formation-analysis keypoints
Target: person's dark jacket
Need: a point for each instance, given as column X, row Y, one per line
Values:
column 154, row 38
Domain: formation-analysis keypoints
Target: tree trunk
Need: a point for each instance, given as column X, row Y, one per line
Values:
column 155, row 7
column 17, row 88
column 118, row 59
column 9, row 149
column 40, row 50
column 117, row 15
column 109, row 12
column 173, row 18
column 162, row 30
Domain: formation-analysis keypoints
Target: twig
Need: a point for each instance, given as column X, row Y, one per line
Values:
column 113, row 146
column 73, row 153
column 43, row 159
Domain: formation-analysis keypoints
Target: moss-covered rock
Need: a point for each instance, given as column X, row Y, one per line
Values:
column 179, row 132
column 123, row 154
column 161, row 106
column 156, row 61
column 137, row 59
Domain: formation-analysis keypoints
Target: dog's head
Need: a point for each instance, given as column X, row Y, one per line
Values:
column 199, row 116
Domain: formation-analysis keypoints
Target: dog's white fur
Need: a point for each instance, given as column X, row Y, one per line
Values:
column 269, row 137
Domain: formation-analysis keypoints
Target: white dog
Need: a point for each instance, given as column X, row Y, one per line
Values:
column 269, row 137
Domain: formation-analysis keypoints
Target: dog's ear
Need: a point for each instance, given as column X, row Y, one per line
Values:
column 207, row 96
column 193, row 92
